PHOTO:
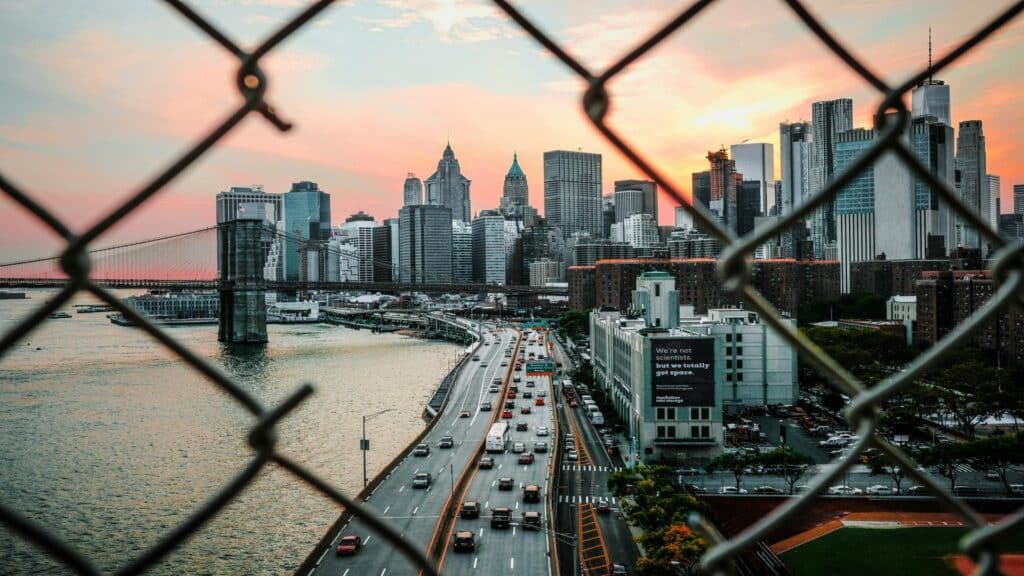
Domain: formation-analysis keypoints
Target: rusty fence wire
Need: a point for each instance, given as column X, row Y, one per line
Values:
column 863, row 415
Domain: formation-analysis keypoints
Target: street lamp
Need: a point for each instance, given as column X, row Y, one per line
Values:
column 568, row 539
column 364, row 443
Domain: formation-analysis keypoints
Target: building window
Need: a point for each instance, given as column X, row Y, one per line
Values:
column 728, row 363
column 661, row 431
column 671, row 431
column 739, row 363
column 739, row 376
column 700, row 431
column 739, row 350
column 700, row 413
column 728, row 337
column 665, row 413
column 657, row 290
column 728, row 376
column 739, row 337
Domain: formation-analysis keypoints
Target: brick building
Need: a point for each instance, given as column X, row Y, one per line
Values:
column 581, row 287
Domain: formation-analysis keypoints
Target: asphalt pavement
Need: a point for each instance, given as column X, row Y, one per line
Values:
column 414, row 513
column 512, row 550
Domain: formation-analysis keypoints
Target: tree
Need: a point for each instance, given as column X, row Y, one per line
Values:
column 670, row 551
column 787, row 463
column 997, row 453
column 882, row 464
column 574, row 323
column 735, row 462
column 583, row 374
column 970, row 392
column 944, row 458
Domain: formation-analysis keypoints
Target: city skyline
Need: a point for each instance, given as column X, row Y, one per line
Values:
column 153, row 100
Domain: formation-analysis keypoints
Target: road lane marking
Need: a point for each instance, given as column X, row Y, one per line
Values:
column 487, row 504
column 475, row 558
column 367, row 541
column 512, row 563
column 400, row 488
column 386, row 509
column 416, row 509
column 322, row 556
column 345, row 573
column 383, row 572
column 481, row 532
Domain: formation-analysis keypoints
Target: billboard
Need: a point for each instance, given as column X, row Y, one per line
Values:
column 682, row 371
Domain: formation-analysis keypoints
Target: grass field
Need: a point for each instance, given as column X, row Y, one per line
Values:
column 880, row 552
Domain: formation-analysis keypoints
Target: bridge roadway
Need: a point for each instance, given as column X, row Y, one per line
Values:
column 415, row 512
column 512, row 550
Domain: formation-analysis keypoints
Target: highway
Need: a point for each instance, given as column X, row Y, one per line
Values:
column 512, row 550
column 415, row 512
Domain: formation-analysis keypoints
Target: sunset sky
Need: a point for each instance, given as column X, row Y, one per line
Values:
column 100, row 95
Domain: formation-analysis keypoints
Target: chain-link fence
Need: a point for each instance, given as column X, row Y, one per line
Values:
column 863, row 415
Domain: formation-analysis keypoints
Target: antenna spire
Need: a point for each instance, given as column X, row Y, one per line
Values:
column 929, row 54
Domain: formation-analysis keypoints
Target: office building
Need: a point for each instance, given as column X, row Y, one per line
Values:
column 795, row 155
column 252, row 202
column 413, row 191
column 992, row 187
column 723, row 188
column 828, row 119
column 462, row 252
column 488, row 241
column 515, row 192
column 748, row 201
column 572, row 192
column 607, row 215
column 756, row 161
column 543, row 272
column 425, row 244
column 448, row 187
column 307, row 216
column 381, row 264
column 932, row 143
column 640, row 230
column 628, row 201
column 1012, row 226
column 588, row 253
column 648, row 198
column 1018, row 198
column 689, row 243
column 971, row 162
column 683, row 219
column 538, row 242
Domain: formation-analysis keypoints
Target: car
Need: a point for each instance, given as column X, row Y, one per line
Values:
column 540, row 447
column 476, row 358
column 918, row 491
column 694, row 489
column 531, row 493
column 542, row 431
column 493, row 389
column 531, row 521
column 731, row 490
column 511, row 395
column 505, row 483
column 992, row 475
column 603, row 507
column 504, row 363
column 767, row 490
column 514, row 388
column 510, row 404
column 688, row 471
column 421, row 480
column 463, row 541
column 422, row 449
column 349, row 545
column 522, row 426
column 518, row 448
column 506, row 414
column 528, row 395
column 539, row 402
column 530, row 383
column 572, row 455
column 573, row 404
column 879, row 490
column 496, row 382
column 469, row 509
column 844, row 490
column 542, row 393
column 525, row 410
column 487, row 462
column 501, row 517
column 526, row 458
column 446, row 442
column 464, row 414
column 618, row 570
column 967, row 491
column 483, row 364
column 485, row 406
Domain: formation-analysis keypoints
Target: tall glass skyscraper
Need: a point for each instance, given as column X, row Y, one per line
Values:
column 448, row 187
column 828, row 118
column 970, row 160
column 425, row 244
column 572, row 192
column 307, row 216
column 756, row 161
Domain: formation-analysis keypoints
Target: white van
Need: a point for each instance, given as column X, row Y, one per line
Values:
column 593, row 408
column 597, row 418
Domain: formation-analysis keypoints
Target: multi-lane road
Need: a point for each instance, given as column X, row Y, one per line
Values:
column 511, row 550
column 415, row 512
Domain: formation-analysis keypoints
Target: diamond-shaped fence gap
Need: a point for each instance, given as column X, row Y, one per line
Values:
column 170, row 441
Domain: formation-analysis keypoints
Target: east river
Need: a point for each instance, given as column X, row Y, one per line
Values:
column 111, row 441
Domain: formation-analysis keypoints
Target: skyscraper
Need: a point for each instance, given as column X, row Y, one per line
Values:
column 425, row 244
column 970, row 160
column 723, row 187
column 307, row 211
column 413, row 194
column 448, row 187
column 627, row 201
column 931, row 96
column 489, row 247
column 1018, row 198
column 572, row 192
column 828, row 118
column 992, row 187
column 462, row 251
column 748, row 200
column 248, row 203
column 648, row 194
column 756, row 161
column 516, row 191
column 932, row 143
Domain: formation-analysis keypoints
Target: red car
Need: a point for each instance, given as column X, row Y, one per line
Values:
column 525, row 410
column 539, row 402
column 572, row 403
column 526, row 458
column 506, row 414
column 349, row 545
column 512, row 396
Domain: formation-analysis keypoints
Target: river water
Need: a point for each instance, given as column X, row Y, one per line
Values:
column 109, row 440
